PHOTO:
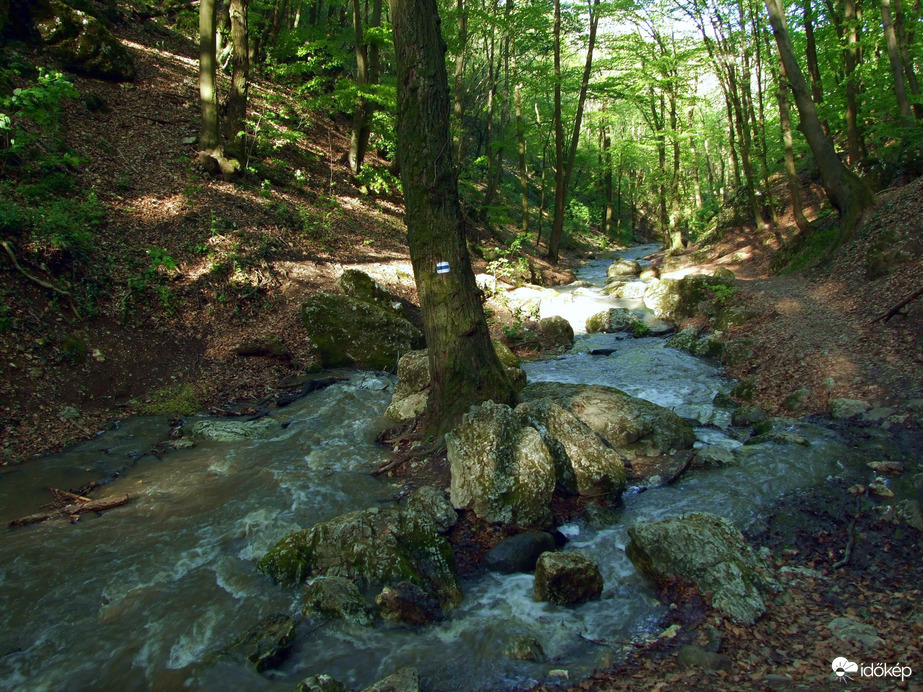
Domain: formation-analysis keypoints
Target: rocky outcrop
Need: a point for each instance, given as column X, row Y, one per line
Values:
column 346, row 331
column 359, row 285
column 583, row 463
column 628, row 425
column 374, row 548
column 82, row 42
column 844, row 409
column 747, row 415
column 695, row 294
column 709, row 551
column 567, row 579
column 412, row 389
column 500, row 468
column 409, row 604
column 337, row 597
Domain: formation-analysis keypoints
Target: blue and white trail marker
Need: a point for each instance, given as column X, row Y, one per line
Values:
column 442, row 267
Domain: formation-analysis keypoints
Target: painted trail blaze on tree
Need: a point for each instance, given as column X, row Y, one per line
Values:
column 465, row 370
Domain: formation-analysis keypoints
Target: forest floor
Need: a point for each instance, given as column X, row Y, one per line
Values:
column 164, row 340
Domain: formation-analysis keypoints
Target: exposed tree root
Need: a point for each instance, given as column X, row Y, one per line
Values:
column 34, row 279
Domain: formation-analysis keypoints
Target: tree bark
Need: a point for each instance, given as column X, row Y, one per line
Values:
column 847, row 192
column 791, row 173
column 897, row 65
column 523, row 172
column 463, row 365
column 458, row 108
column 902, row 41
column 240, row 60
column 209, row 139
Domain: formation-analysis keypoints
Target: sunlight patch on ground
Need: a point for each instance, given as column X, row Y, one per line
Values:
column 789, row 306
column 172, row 57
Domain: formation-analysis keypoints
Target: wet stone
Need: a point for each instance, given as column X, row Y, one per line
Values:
column 409, row 604
column 567, row 579
column 519, row 553
column 267, row 644
column 337, row 597
column 747, row 415
column 320, row 683
column 404, row 680
column 524, row 647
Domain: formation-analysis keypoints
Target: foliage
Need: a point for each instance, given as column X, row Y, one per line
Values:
column 152, row 280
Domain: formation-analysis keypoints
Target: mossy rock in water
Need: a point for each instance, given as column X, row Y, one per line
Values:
column 267, row 644
column 82, row 42
column 556, row 331
column 693, row 295
column 372, row 547
column 337, row 597
column 320, row 683
column 628, row 424
column 359, row 285
column 683, row 340
column 610, row 321
column 567, row 579
column 711, row 552
column 501, row 470
column 583, row 462
column 350, row 332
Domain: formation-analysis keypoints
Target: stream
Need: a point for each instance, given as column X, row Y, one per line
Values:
column 143, row 596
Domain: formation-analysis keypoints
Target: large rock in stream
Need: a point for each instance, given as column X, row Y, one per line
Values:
column 709, row 551
column 376, row 547
column 628, row 424
column 695, row 294
column 347, row 331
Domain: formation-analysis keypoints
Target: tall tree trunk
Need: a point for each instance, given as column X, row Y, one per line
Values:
column 847, row 192
column 902, row 41
column 897, row 65
column 209, row 140
column 855, row 143
column 817, row 88
column 607, row 182
column 366, row 74
column 565, row 168
column 791, row 172
column 523, row 173
column 237, row 99
column 464, row 368
column 495, row 162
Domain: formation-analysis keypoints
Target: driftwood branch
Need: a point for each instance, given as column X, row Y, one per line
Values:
column 900, row 306
column 847, row 553
column 71, row 510
column 35, row 279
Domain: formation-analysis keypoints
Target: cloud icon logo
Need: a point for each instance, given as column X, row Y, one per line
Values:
column 841, row 666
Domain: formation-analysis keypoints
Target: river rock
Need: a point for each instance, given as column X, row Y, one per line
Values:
column 843, row 409
column 336, row 597
column 556, row 331
column 648, row 274
column 623, row 267
column 519, row 553
column 708, row 346
column 847, row 629
column 350, row 332
column 372, row 547
column 610, row 321
column 232, row 430
column 567, row 579
column 267, row 644
column 82, row 42
column 711, row 552
column 583, row 463
column 713, row 457
column 747, row 415
column 693, row 295
column 500, row 469
column 795, row 400
column 683, row 340
column 627, row 424
column 524, row 647
column 407, row 603
column 412, row 389
column 731, row 316
column 359, row 285
column 320, row 683
column 404, row 680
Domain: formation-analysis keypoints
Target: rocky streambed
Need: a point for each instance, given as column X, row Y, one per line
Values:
column 197, row 582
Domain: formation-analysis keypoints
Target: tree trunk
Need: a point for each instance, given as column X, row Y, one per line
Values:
column 791, row 173
column 847, row 192
column 902, row 41
column 458, row 108
column 855, row 143
column 209, row 140
column 463, row 365
column 607, row 182
column 897, row 65
column 237, row 99
column 523, row 172
column 817, row 88
column 564, row 169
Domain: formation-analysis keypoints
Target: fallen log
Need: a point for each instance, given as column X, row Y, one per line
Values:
column 100, row 505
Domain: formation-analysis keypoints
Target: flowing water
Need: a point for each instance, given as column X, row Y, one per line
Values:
column 144, row 595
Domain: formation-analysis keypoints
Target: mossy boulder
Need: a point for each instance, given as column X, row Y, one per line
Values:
column 412, row 389
column 361, row 286
column 747, row 415
column 567, row 579
column 349, row 332
column 404, row 680
column 684, row 340
column 82, row 42
column 731, row 316
column 501, row 470
column 409, row 604
column 623, row 267
column 556, row 331
column 628, row 424
column 610, row 321
column 584, row 464
column 337, row 597
column 709, row 551
column 693, row 295
column 320, row 683
column 373, row 547
column 267, row 644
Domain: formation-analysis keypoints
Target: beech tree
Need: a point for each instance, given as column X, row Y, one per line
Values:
column 464, row 368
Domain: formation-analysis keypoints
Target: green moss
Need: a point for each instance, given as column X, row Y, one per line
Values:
column 179, row 399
